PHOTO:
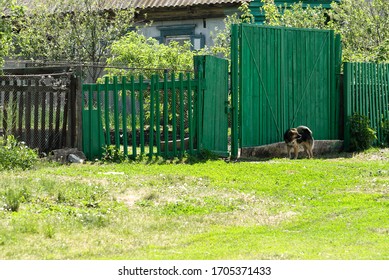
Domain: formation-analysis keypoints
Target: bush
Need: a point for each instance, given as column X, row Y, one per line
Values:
column 16, row 155
column 361, row 134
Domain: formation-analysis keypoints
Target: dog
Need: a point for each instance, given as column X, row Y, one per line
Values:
column 294, row 137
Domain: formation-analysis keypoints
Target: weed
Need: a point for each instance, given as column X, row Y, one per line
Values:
column 13, row 198
column 113, row 154
column 49, row 230
column 14, row 154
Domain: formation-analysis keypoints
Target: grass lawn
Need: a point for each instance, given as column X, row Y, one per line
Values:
column 328, row 208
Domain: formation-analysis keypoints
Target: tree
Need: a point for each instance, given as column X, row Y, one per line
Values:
column 79, row 31
column 135, row 51
column 295, row 15
column 363, row 25
column 221, row 38
column 364, row 28
column 9, row 11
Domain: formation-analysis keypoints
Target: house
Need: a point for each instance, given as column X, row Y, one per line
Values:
column 183, row 20
column 194, row 20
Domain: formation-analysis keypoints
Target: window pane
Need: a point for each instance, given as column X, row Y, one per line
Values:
column 181, row 39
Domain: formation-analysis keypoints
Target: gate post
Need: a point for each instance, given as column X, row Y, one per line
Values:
column 234, row 90
column 76, row 105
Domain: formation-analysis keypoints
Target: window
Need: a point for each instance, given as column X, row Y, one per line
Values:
column 181, row 34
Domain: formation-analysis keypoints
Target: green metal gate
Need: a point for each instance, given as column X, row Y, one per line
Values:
column 287, row 77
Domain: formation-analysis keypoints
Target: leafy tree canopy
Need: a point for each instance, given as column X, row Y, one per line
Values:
column 363, row 25
column 144, row 55
column 9, row 12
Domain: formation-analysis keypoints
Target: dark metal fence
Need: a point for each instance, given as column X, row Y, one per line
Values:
column 39, row 109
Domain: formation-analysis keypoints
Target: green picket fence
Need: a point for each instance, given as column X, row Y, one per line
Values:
column 164, row 116
column 138, row 116
column 366, row 92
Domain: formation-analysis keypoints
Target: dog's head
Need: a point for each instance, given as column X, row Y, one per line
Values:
column 291, row 135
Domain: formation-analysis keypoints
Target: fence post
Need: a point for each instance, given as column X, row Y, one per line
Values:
column 234, row 90
column 78, row 107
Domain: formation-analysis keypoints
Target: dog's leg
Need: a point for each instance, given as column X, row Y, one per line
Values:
column 311, row 152
column 288, row 151
column 307, row 150
column 296, row 151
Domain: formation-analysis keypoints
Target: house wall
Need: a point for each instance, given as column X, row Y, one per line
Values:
column 202, row 27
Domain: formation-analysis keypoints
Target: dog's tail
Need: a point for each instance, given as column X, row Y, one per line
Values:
column 304, row 128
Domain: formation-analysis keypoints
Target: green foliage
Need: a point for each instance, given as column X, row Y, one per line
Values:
column 16, row 155
column 363, row 25
column 295, row 15
column 137, row 52
column 13, row 198
column 9, row 12
column 361, row 134
column 222, row 38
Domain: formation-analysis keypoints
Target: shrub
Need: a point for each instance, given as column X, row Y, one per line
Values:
column 361, row 134
column 14, row 154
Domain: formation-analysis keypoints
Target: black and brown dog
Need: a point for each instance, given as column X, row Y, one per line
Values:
column 301, row 135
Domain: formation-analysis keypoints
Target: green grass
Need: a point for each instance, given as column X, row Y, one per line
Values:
column 277, row 209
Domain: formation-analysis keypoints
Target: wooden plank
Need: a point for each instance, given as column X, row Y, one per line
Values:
column 116, row 112
column 133, row 117
column 182, row 116
column 141, row 114
column 57, row 127
column 174, row 113
column 42, row 136
column 51, row 121
column 152, row 115
column 106, row 112
column 20, row 114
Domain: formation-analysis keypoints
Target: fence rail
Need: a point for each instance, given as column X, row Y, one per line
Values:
column 366, row 91
column 139, row 116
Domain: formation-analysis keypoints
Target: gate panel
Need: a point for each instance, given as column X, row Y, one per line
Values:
column 214, row 134
column 287, row 78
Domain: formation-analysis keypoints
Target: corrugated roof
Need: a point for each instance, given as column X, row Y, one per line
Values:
column 179, row 3
column 122, row 4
